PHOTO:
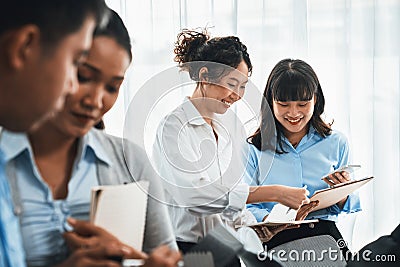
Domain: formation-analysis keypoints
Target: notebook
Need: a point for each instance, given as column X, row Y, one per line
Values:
column 330, row 196
column 281, row 214
column 121, row 210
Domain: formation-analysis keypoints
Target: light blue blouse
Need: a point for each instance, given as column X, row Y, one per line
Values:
column 11, row 250
column 306, row 164
column 43, row 219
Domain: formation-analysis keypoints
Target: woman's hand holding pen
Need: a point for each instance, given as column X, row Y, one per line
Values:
column 292, row 197
column 338, row 178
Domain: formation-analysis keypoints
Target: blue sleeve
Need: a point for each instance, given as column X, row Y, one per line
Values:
column 353, row 201
column 258, row 210
column 251, row 178
column 344, row 152
column 351, row 205
column 250, row 161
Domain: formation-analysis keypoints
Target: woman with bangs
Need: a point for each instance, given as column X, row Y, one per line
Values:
column 195, row 146
column 299, row 147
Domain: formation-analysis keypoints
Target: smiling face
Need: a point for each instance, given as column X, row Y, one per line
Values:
column 100, row 78
column 229, row 89
column 294, row 116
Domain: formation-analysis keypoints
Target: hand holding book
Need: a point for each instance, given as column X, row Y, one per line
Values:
column 338, row 178
column 88, row 242
column 331, row 196
column 341, row 175
column 111, row 209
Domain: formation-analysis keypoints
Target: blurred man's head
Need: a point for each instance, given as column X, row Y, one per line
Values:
column 41, row 45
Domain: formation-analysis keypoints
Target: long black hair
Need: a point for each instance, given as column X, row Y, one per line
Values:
column 116, row 30
column 290, row 80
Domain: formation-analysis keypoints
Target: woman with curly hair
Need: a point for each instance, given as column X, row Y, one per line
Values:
column 196, row 150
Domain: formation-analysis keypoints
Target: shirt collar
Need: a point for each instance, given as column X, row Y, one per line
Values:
column 13, row 144
column 311, row 132
column 1, row 151
column 90, row 142
column 193, row 115
column 194, row 118
column 221, row 130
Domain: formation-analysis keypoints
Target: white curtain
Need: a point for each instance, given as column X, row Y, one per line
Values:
column 354, row 47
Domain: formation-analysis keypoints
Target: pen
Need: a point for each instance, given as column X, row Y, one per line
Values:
column 307, row 193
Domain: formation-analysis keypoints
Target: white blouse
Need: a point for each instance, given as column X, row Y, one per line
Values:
column 201, row 176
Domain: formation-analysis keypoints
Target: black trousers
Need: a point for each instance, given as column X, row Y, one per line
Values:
column 185, row 246
column 322, row 227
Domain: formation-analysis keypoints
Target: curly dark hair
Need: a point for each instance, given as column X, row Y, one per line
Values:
column 290, row 80
column 197, row 48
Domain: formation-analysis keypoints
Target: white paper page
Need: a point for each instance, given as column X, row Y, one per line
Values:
column 281, row 213
column 121, row 210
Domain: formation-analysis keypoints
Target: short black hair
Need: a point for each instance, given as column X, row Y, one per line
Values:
column 55, row 18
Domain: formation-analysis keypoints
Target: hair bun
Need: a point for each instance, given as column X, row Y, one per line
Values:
column 188, row 45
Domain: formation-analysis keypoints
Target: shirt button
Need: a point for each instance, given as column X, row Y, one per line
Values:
column 311, row 225
column 17, row 210
column 64, row 207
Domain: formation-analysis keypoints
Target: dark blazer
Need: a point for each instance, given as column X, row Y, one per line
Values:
column 387, row 247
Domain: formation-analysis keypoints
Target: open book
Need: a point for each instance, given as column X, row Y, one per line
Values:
column 121, row 210
column 281, row 214
column 332, row 195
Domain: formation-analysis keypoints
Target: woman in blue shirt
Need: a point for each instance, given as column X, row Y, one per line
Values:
column 295, row 147
column 52, row 169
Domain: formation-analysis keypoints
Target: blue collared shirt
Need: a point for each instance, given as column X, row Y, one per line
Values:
column 306, row 164
column 11, row 249
column 43, row 219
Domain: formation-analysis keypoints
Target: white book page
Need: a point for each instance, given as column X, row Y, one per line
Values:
column 121, row 210
column 281, row 214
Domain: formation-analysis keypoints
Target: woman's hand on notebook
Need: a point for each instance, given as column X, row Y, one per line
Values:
column 305, row 210
column 335, row 179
